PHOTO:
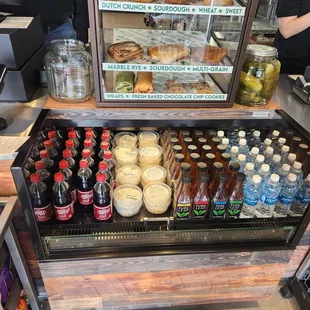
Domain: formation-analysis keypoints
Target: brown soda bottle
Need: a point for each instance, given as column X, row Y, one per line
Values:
column 220, row 149
column 190, row 150
column 220, row 197
column 185, row 134
column 217, row 168
column 185, row 169
column 294, row 144
column 288, row 135
column 186, row 143
column 225, row 160
column 201, row 198
column 168, row 135
column 215, row 142
column 177, row 149
column 236, row 197
column 196, row 135
column 200, row 143
column 194, row 160
column 234, row 167
column 301, row 152
column 175, row 171
column 205, row 149
column 209, row 159
column 169, row 150
column 184, row 201
column 209, row 135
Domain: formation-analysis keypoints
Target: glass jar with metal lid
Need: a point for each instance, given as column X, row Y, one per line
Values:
column 259, row 76
column 69, row 71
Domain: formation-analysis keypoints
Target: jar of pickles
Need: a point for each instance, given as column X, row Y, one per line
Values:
column 259, row 76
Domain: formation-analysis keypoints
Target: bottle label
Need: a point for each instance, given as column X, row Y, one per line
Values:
column 103, row 213
column 183, row 211
column 85, row 198
column 302, row 200
column 286, row 200
column 252, row 202
column 43, row 214
column 64, row 213
column 268, row 200
column 200, row 209
column 234, row 208
column 219, row 209
column 74, row 196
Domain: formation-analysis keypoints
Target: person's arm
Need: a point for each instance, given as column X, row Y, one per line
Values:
column 292, row 25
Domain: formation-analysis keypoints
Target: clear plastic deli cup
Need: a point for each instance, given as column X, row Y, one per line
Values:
column 125, row 156
column 151, row 174
column 157, row 197
column 128, row 200
column 150, row 155
column 128, row 175
column 127, row 139
column 148, row 138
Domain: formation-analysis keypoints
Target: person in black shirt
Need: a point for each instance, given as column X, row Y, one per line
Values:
column 293, row 37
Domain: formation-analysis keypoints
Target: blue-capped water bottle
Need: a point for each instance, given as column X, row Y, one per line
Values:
column 269, row 197
column 252, row 193
column 302, row 199
column 286, row 197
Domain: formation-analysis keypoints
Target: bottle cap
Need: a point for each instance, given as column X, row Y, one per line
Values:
column 292, row 157
column 239, row 176
column 59, row 177
column 256, row 179
column 241, row 134
column 204, row 177
column 187, row 178
column 276, row 133
column 202, row 140
column 221, row 148
column 249, row 166
column 48, row 143
column 260, row 158
column 104, row 145
column 286, row 167
column 267, row 141
column 218, row 166
column 86, row 153
column 211, row 133
column 297, row 139
column 187, row 140
column 242, row 142
column 176, row 140
column 234, row 166
column 202, row 167
column 216, row 140
column 303, row 146
column 285, row 149
column 88, row 143
column 226, row 157
column 308, row 177
column 177, row 148
column 44, row 154
column 39, row 165
column 195, row 157
column 103, row 165
column 275, row 178
column 192, row 148
column 220, row 133
column 292, row 177
column 269, row 150
column 210, row 156
column 35, row 178
column 241, row 157
column 51, row 134
column 225, row 141
column 72, row 134
column 185, row 133
column 198, row 133
column 66, row 154
column 179, row 158
column 256, row 133
column 265, row 168
column 69, row 144
column 282, row 140
column 89, row 134
column 222, row 176
column 297, row 165
column 63, row 164
column 83, row 163
column 107, row 155
column 276, row 158
column 255, row 150
column 206, row 148
column 101, row 177
column 185, row 167
column 105, row 136
column 235, row 149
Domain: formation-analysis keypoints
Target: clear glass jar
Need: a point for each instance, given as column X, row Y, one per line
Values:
column 259, row 76
column 69, row 71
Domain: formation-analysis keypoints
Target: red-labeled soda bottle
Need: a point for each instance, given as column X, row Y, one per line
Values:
column 108, row 157
column 44, row 174
column 89, row 135
column 52, row 135
column 78, row 133
column 64, row 168
column 70, row 147
column 84, row 185
column 67, row 155
column 48, row 162
column 49, row 146
column 88, row 145
column 87, row 156
column 102, row 199
column 104, row 169
column 73, row 136
column 42, row 208
column 104, row 147
column 62, row 200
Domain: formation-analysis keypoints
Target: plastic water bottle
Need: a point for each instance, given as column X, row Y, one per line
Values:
column 243, row 147
column 253, row 154
column 249, row 172
column 284, row 153
column 291, row 158
column 252, row 193
column 267, row 142
column 269, row 197
column 268, row 153
column 241, row 135
column 232, row 135
column 283, row 173
column 274, row 135
column 286, row 197
column 296, row 169
column 278, row 145
column 234, row 153
column 275, row 164
column 302, row 199
column 255, row 140
column 264, row 172
column 241, row 160
column 259, row 161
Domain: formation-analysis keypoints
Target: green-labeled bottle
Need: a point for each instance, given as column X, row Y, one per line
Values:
column 184, row 203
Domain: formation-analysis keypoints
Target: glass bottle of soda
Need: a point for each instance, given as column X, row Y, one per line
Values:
column 42, row 208
column 185, row 169
column 62, row 200
column 64, row 168
column 87, row 156
column 70, row 147
column 88, row 145
column 236, row 197
column 45, row 175
column 201, row 142
column 234, row 167
column 52, row 136
column 102, row 199
column 184, row 203
column 220, row 197
column 217, row 168
column 201, row 168
column 205, row 149
column 201, row 198
column 84, row 185
column 53, row 154
column 48, row 162
column 209, row 160
column 175, row 171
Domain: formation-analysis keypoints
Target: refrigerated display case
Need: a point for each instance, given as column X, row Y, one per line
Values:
column 169, row 53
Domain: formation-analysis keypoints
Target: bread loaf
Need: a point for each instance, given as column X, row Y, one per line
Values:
column 124, row 51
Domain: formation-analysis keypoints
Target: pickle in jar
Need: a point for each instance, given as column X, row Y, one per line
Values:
column 251, row 82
